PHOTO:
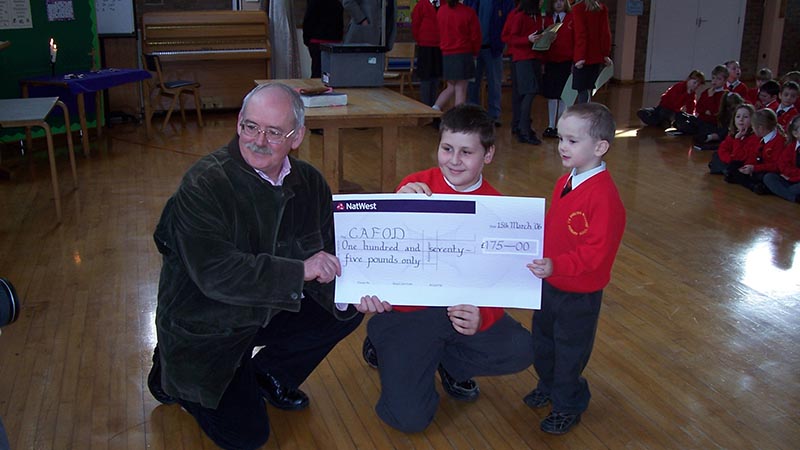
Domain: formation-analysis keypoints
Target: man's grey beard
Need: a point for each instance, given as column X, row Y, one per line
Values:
column 255, row 148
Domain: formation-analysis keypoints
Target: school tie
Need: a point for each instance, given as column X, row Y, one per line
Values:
column 797, row 157
column 567, row 187
column 558, row 18
column 760, row 155
column 780, row 112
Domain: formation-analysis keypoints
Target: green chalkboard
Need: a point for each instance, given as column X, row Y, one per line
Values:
column 29, row 52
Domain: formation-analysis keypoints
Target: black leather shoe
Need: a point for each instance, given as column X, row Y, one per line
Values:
column 529, row 139
column 279, row 396
column 536, row 399
column 760, row 189
column 550, row 132
column 466, row 391
column 369, row 353
column 154, row 381
column 559, row 423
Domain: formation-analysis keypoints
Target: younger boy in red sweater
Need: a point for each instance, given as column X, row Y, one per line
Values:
column 583, row 230
column 679, row 97
column 787, row 109
column 408, row 344
column 734, row 72
column 768, row 95
column 762, row 76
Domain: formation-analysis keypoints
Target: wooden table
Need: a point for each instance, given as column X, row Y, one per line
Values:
column 33, row 112
column 80, row 83
column 366, row 108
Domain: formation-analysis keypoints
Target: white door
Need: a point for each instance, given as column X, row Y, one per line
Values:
column 692, row 34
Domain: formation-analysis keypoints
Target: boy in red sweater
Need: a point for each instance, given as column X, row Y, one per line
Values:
column 583, row 230
column 762, row 76
column 768, row 95
column 786, row 183
column 734, row 72
column 679, row 97
column 787, row 110
column 704, row 126
column 408, row 344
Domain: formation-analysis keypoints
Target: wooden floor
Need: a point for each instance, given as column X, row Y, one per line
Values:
column 697, row 346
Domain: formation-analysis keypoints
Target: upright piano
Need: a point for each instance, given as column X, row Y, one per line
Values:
column 223, row 50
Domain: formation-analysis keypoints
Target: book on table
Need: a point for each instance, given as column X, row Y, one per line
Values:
column 331, row 98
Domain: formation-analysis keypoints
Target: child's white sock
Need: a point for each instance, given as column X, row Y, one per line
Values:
column 436, row 107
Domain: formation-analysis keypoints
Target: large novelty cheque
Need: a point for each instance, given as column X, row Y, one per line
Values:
column 442, row 250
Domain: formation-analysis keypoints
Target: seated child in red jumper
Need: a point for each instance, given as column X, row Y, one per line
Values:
column 786, row 183
column 762, row 76
column 583, row 230
column 768, row 95
column 732, row 149
column 679, row 97
column 703, row 126
column 734, row 73
column 761, row 157
column 408, row 344
column 787, row 110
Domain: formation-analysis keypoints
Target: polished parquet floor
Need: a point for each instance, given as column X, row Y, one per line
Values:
column 697, row 346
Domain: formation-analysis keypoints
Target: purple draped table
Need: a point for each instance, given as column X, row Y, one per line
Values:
column 79, row 83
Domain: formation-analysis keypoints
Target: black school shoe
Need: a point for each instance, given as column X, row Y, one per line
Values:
column 537, row 399
column 369, row 353
column 559, row 423
column 280, row 396
column 550, row 132
column 466, row 391
column 529, row 139
column 154, row 382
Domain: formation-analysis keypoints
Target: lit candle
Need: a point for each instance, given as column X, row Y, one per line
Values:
column 53, row 51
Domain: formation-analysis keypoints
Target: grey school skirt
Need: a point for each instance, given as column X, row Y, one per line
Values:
column 460, row 66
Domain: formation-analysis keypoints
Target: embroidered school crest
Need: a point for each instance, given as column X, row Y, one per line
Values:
column 578, row 223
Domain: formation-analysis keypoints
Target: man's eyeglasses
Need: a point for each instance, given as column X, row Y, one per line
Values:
column 273, row 135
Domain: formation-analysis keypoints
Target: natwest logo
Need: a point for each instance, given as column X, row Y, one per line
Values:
column 361, row 206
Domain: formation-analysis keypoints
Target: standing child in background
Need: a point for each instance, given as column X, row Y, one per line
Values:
column 592, row 46
column 425, row 29
column 734, row 84
column 761, row 157
column 523, row 28
column 583, row 230
column 703, row 126
column 786, row 110
column 762, row 76
column 460, row 41
column 768, row 95
column 732, row 151
column 786, row 183
column 679, row 97
column 492, row 15
column 559, row 63
column 409, row 344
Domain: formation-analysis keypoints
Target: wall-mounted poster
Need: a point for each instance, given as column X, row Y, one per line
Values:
column 15, row 14
column 60, row 10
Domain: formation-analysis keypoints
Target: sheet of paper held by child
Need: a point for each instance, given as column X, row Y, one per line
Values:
column 442, row 250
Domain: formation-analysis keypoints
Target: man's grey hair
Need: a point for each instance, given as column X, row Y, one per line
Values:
column 297, row 103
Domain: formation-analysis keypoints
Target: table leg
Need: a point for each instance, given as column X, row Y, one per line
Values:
column 98, row 103
column 332, row 158
column 28, row 137
column 389, row 157
column 53, row 173
column 84, row 128
column 69, row 143
column 146, row 100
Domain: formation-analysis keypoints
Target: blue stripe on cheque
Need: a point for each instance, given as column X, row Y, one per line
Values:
column 406, row 206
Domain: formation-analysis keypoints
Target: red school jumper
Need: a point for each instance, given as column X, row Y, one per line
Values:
column 768, row 152
column 583, row 233
column 424, row 26
column 515, row 34
column 787, row 162
column 434, row 178
column 459, row 30
column 592, row 34
column 733, row 149
column 708, row 106
column 678, row 97
column 786, row 116
column 563, row 47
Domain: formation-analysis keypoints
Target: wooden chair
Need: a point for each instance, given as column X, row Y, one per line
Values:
column 402, row 53
column 174, row 89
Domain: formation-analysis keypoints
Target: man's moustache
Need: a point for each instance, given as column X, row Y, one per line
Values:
column 255, row 148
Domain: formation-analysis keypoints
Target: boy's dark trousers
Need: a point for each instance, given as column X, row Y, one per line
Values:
column 656, row 117
column 295, row 343
column 410, row 347
column 563, row 337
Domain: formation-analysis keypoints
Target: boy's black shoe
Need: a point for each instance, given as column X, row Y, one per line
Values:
column 154, row 382
column 536, row 399
column 280, row 396
column 369, row 353
column 559, row 423
column 466, row 391
column 760, row 189
column 550, row 132
column 529, row 139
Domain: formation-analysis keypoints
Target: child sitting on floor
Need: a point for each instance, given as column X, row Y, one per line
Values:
column 679, row 97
